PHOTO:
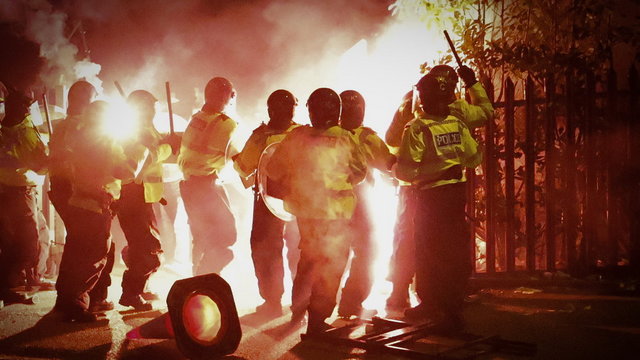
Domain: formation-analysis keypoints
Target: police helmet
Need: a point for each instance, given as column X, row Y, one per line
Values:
column 281, row 104
column 353, row 106
column 218, row 91
column 80, row 95
column 324, row 108
column 437, row 89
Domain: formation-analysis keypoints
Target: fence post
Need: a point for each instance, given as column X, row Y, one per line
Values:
column 490, row 183
column 613, row 144
column 634, row 150
column 549, row 179
column 570, row 201
column 530, row 170
column 591, row 177
column 509, row 173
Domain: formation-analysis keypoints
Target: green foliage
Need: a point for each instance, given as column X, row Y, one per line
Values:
column 534, row 37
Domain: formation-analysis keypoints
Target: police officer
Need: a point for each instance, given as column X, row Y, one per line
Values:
column 140, row 189
column 318, row 167
column 80, row 95
column 97, row 169
column 22, row 155
column 358, row 285
column 402, row 262
column 204, row 151
column 268, row 230
column 434, row 151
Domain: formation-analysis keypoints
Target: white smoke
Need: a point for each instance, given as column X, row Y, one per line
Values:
column 46, row 26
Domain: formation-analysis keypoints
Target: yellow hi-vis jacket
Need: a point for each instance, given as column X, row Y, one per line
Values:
column 473, row 116
column 374, row 149
column 144, row 162
column 246, row 161
column 59, row 165
column 318, row 169
column 22, row 154
column 434, row 149
column 98, row 165
column 204, row 144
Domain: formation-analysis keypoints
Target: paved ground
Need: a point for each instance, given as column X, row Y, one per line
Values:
column 582, row 322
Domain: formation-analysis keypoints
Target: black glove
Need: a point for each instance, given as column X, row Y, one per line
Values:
column 467, row 75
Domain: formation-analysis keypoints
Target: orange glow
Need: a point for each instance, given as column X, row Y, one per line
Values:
column 202, row 318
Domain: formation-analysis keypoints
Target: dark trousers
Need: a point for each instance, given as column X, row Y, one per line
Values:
column 443, row 255
column 166, row 217
column 402, row 264
column 324, row 254
column 360, row 280
column 19, row 246
column 267, row 235
column 59, row 195
column 87, row 259
column 212, row 224
column 143, row 246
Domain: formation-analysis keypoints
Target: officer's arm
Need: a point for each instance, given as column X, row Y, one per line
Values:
column 478, row 112
column 402, row 116
column 471, row 156
column 381, row 157
column 358, row 165
column 410, row 154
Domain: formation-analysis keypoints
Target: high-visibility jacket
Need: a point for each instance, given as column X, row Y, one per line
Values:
column 435, row 149
column 144, row 163
column 23, row 154
column 59, row 165
column 246, row 161
column 433, row 152
column 318, row 169
column 98, row 166
column 204, row 144
column 474, row 115
column 374, row 149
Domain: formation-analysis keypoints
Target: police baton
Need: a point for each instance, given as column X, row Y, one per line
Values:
column 169, row 107
column 453, row 49
column 46, row 112
column 117, row 84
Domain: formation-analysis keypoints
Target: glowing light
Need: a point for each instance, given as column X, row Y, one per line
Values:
column 201, row 317
column 119, row 123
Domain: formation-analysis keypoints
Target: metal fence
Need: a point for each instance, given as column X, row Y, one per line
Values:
column 559, row 186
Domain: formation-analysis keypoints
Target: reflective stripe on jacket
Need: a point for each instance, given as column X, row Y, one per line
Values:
column 205, row 143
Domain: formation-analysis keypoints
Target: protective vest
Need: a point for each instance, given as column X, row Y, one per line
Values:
column 149, row 172
column 374, row 149
column 434, row 151
column 59, row 165
column 246, row 162
column 318, row 168
column 97, row 165
column 204, row 144
column 22, row 154
column 474, row 115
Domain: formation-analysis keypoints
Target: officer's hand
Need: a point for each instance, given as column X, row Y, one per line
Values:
column 467, row 75
column 174, row 140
